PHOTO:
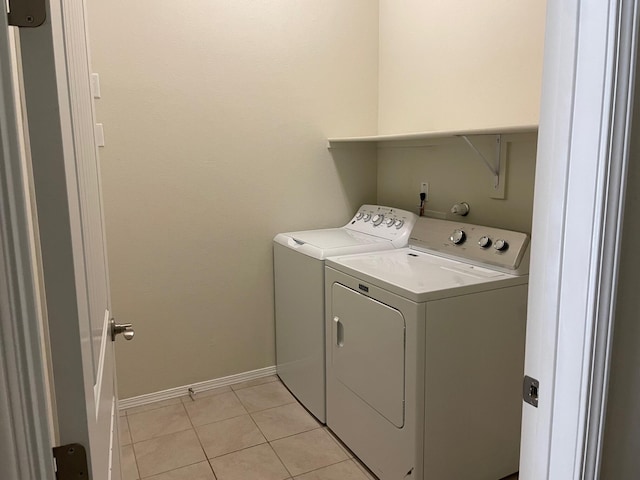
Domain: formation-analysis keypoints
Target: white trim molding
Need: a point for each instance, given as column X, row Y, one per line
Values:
column 195, row 387
column 25, row 436
column 579, row 197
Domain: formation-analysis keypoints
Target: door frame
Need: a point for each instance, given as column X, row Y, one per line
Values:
column 26, row 417
column 53, row 147
column 66, row 181
column 585, row 121
column 573, row 383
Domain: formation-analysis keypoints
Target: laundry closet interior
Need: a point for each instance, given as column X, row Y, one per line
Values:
column 228, row 122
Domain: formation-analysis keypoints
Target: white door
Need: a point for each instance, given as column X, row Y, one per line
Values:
column 59, row 113
column 587, row 99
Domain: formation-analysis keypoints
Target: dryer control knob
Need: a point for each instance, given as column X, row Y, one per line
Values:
column 458, row 237
column 484, row 242
column 399, row 223
column 501, row 245
column 389, row 222
column 366, row 217
column 377, row 219
column 359, row 215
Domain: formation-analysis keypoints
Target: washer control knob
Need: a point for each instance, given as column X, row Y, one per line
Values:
column 501, row 245
column 359, row 215
column 399, row 223
column 484, row 242
column 366, row 217
column 377, row 219
column 389, row 222
column 458, row 237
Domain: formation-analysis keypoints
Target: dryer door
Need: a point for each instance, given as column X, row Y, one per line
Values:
column 368, row 351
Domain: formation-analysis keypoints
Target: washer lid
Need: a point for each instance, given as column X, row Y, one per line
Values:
column 420, row 276
column 332, row 241
column 333, row 238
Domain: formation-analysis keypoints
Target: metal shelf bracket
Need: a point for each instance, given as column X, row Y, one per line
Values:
column 494, row 167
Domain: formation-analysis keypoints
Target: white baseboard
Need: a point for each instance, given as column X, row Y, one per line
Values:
column 197, row 387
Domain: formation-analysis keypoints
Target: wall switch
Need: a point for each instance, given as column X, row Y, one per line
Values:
column 424, row 188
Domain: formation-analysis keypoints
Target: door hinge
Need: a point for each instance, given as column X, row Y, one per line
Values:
column 530, row 390
column 27, row 13
column 71, row 462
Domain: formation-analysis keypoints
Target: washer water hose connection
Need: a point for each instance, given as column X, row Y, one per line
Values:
column 461, row 208
column 423, row 197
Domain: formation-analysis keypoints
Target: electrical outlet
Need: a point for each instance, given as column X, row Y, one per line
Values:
column 424, row 188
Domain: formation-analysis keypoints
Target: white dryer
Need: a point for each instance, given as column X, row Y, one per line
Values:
column 425, row 353
column 299, row 292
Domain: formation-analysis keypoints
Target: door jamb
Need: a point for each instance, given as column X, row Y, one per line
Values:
column 25, row 415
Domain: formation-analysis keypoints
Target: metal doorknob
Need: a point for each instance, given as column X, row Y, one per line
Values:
column 126, row 329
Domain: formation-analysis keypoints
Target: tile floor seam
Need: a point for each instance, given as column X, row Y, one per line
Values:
column 269, row 408
column 291, row 435
column 231, row 451
column 218, row 421
column 249, row 386
column 169, row 433
column 195, row 430
column 135, row 460
column 339, row 442
column 266, row 441
column 293, row 399
column 150, row 407
column 324, row 466
column 163, row 435
column 128, row 431
column 260, row 430
column 173, row 470
column 281, row 460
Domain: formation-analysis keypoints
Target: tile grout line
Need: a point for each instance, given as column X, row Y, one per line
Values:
column 329, row 465
column 149, row 406
column 313, row 470
column 135, row 461
column 133, row 451
column 193, row 427
column 265, row 437
column 173, row 433
column 280, row 459
column 206, row 457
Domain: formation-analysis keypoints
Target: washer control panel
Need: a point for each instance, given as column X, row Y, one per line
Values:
column 385, row 222
column 476, row 244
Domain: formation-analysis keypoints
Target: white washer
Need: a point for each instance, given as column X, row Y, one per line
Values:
column 299, row 292
column 425, row 353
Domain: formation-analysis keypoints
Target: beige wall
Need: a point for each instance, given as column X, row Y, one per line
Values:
column 216, row 119
column 216, row 116
column 459, row 64
column 455, row 174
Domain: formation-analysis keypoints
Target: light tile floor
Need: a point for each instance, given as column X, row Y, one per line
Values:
column 254, row 430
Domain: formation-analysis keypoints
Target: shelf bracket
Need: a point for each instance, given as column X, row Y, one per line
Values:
column 494, row 167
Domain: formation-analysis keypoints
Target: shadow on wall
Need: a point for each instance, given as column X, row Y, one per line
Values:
column 456, row 174
column 356, row 167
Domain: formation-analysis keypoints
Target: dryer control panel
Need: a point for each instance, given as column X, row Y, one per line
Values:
column 503, row 250
column 385, row 222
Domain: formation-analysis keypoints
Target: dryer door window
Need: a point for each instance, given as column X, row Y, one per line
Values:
column 368, row 351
